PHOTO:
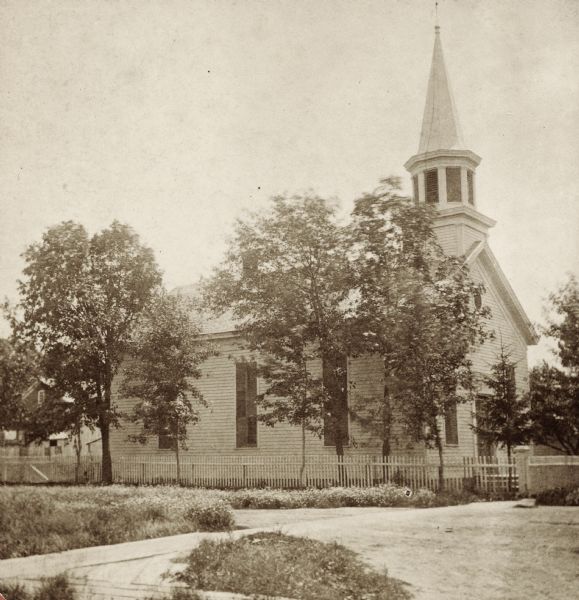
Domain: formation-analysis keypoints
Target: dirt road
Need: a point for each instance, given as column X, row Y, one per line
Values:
column 483, row 551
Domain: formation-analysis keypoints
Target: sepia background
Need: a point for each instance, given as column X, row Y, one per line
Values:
column 176, row 115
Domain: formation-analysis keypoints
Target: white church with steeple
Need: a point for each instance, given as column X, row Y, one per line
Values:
column 443, row 173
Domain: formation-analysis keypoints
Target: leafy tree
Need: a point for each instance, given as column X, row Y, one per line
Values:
column 164, row 360
column 440, row 329
column 554, row 390
column 79, row 300
column 18, row 371
column 503, row 416
column 286, row 281
column 392, row 247
column 416, row 311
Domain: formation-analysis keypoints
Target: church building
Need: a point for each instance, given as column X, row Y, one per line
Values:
column 443, row 174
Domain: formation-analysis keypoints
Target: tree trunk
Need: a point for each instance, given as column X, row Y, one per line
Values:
column 510, row 472
column 339, row 435
column 386, row 431
column 77, row 442
column 303, row 466
column 107, row 462
column 178, row 459
column 440, row 459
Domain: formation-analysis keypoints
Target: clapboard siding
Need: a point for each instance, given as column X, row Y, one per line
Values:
column 215, row 431
column 469, row 236
column 447, row 238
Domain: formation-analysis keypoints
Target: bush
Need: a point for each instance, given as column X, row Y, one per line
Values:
column 214, row 516
column 559, row 496
column 572, row 498
column 387, row 495
column 55, row 588
column 52, row 588
column 15, row 591
column 273, row 564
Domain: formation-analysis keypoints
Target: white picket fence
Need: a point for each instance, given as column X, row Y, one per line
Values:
column 230, row 472
column 49, row 469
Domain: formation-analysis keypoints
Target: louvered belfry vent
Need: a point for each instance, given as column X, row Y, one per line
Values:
column 453, row 193
column 431, row 180
column 470, row 180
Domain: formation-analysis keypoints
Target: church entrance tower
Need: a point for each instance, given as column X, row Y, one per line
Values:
column 444, row 170
column 443, row 175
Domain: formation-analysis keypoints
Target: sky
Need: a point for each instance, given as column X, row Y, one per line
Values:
column 176, row 116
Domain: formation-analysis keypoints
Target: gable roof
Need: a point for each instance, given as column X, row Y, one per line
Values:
column 480, row 250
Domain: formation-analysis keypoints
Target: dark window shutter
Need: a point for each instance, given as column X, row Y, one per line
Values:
column 451, row 425
column 165, row 440
column 245, row 402
column 431, row 179
column 252, row 431
column 453, row 192
column 240, row 390
column 335, row 376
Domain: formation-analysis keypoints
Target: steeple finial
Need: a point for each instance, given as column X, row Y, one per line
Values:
column 436, row 24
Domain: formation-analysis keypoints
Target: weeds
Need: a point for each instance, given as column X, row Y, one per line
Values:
column 52, row 588
column 274, row 564
column 37, row 521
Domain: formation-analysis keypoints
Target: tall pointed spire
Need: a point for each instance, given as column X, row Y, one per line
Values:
column 443, row 170
column 440, row 126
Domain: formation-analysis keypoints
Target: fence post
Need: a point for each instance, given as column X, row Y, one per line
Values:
column 522, row 454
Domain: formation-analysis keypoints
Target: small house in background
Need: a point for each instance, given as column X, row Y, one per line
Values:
column 18, row 442
column 443, row 174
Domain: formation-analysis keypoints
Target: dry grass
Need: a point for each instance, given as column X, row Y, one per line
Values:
column 52, row 519
column 274, row 564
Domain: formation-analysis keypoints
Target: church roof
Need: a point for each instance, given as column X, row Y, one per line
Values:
column 480, row 250
column 210, row 324
column 440, row 125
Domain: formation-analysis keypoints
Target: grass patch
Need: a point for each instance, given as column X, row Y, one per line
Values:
column 388, row 495
column 274, row 564
column 52, row 519
column 37, row 520
column 52, row 588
